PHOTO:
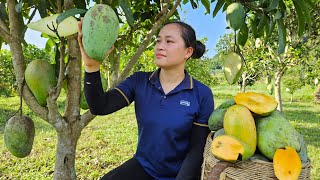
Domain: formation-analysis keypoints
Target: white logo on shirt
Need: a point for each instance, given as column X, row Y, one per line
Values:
column 184, row 103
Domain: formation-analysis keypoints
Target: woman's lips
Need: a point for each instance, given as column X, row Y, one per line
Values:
column 160, row 55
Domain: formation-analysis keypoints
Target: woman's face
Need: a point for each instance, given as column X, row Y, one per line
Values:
column 170, row 50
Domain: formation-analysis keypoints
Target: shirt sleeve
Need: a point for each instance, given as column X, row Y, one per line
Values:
column 191, row 166
column 206, row 108
column 127, row 87
column 100, row 102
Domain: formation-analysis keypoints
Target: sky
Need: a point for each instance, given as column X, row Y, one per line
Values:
column 204, row 25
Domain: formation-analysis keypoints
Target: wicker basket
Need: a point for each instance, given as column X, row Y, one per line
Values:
column 251, row 169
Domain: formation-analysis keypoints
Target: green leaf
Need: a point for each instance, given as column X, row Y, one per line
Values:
column 282, row 36
column 48, row 24
column 69, row 13
column 301, row 18
column 125, row 6
column 254, row 26
column 206, row 4
column 262, row 23
column 278, row 15
column 80, row 4
column 218, row 7
column 226, row 4
column 310, row 3
column 193, row 4
column 242, row 35
column 42, row 8
column 3, row 13
column 267, row 29
column 272, row 24
column 305, row 11
column 274, row 4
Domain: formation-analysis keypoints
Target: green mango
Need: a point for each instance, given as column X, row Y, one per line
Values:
column 232, row 67
column 219, row 133
column 100, row 29
column 236, row 15
column 40, row 77
column 19, row 135
column 215, row 121
column 275, row 131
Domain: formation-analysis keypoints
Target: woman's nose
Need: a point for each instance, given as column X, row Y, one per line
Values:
column 160, row 45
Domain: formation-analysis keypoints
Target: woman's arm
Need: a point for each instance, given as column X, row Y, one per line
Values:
column 191, row 166
column 100, row 102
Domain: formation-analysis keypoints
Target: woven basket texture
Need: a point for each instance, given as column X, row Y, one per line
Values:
column 244, row 170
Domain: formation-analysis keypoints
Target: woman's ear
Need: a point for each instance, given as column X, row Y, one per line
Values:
column 189, row 52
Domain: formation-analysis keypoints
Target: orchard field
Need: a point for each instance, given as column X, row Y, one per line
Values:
column 110, row 140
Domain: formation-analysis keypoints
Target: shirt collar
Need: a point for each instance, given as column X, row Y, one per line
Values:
column 187, row 82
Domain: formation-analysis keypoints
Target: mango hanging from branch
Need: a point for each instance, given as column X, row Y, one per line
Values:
column 232, row 67
column 19, row 135
column 235, row 15
column 100, row 29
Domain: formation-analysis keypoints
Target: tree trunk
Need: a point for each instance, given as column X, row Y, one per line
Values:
column 244, row 82
column 277, row 93
column 317, row 96
column 64, row 167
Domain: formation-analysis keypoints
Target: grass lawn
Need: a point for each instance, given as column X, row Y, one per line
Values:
column 110, row 140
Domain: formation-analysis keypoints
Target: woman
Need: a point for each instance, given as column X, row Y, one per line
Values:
column 172, row 109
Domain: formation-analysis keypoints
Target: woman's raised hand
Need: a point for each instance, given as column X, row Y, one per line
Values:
column 90, row 64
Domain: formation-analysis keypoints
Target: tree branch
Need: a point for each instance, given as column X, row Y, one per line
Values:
column 61, row 69
column 147, row 40
column 86, row 118
column 19, row 62
column 5, row 31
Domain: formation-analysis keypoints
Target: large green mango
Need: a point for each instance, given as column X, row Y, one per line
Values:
column 275, row 131
column 235, row 15
column 100, row 29
column 40, row 77
column 239, row 122
column 215, row 121
column 18, row 135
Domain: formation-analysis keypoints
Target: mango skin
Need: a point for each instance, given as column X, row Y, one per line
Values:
column 215, row 121
column 275, row 131
column 100, row 29
column 235, row 15
column 239, row 122
column 19, row 135
column 40, row 76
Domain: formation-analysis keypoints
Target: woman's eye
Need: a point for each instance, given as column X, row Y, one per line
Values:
column 158, row 40
column 169, row 41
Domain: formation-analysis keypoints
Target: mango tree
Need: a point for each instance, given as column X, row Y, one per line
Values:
column 264, row 17
column 142, row 15
column 137, row 15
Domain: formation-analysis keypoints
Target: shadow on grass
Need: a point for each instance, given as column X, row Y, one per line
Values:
column 299, row 106
column 310, row 128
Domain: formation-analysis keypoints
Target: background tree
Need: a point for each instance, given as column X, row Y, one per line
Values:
column 140, row 21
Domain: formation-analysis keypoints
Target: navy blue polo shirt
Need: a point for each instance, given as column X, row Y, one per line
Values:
column 165, row 120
